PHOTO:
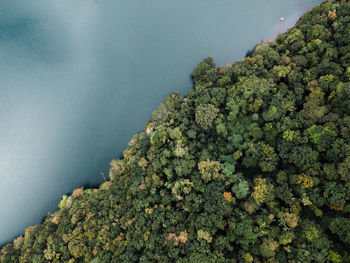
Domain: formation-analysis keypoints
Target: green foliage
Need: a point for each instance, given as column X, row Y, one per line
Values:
column 335, row 193
column 225, row 80
column 205, row 115
column 290, row 135
column 271, row 57
column 209, row 170
column 241, row 189
column 252, row 166
column 341, row 227
column 63, row 202
column 205, row 71
column 322, row 137
column 334, row 257
column 314, row 44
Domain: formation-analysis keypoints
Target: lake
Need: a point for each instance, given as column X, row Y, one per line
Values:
column 79, row 78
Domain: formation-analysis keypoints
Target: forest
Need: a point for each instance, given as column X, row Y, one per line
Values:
column 252, row 165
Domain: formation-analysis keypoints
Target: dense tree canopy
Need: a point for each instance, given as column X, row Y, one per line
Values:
column 253, row 165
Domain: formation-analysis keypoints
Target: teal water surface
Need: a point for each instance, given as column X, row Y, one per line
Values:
column 79, row 78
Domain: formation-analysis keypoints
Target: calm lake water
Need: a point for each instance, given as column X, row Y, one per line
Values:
column 79, row 78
